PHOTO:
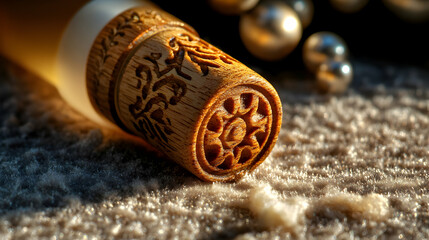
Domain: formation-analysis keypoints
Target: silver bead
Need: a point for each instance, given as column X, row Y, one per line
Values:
column 304, row 9
column 409, row 10
column 271, row 30
column 232, row 7
column 334, row 76
column 348, row 6
column 321, row 47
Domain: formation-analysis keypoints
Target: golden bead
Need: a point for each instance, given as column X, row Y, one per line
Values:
column 409, row 10
column 321, row 47
column 348, row 6
column 232, row 7
column 271, row 30
column 334, row 76
column 304, row 9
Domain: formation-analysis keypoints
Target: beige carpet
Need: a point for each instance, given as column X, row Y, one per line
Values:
column 354, row 166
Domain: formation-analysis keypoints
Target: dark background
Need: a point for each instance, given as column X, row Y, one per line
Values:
column 374, row 33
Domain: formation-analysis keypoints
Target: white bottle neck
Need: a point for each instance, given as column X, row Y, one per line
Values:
column 75, row 46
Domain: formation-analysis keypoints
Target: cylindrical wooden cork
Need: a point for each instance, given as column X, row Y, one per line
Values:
column 151, row 74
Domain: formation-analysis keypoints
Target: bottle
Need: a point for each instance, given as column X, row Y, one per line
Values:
column 130, row 64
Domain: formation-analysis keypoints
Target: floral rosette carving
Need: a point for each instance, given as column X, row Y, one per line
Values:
column 236, row 130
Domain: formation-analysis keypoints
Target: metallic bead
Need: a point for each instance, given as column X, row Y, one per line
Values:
column 348, row 6
column 304, row 9
column 232, row 7
column 334, row 76
column 321, row 47
column 409, row 10
column 271, row 30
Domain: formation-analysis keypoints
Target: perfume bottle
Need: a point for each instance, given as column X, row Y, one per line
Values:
column 132, row 65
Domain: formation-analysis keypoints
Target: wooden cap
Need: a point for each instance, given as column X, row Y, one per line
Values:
column 150, row 74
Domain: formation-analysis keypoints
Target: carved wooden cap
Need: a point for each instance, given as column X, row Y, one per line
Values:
column 151, row 74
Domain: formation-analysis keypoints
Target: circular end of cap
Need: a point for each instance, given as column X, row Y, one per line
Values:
column 238, row 131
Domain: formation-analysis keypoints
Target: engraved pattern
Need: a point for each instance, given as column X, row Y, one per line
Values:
column 198, row 51
column 133, row 20
column 151, row 75
column 126, row 22
column 236, row 131
column 149, row 112
column 161, row 81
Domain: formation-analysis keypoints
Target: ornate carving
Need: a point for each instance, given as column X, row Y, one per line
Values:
column 237, row 129
column 151, row 75
column 149, row 113
column 125, row 22
column 131, row 20
column 198, row 51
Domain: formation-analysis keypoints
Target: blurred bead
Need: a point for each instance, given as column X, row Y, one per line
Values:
column 348, row 6
column 271, row 30
column 334, row 76
column 232, row 7
column 321, row 47
column 409, row 10
column 304, row 9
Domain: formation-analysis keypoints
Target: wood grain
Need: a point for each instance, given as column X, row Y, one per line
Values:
column 152, row 75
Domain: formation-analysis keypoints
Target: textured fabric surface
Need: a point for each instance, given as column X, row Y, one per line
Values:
column 350, row 166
